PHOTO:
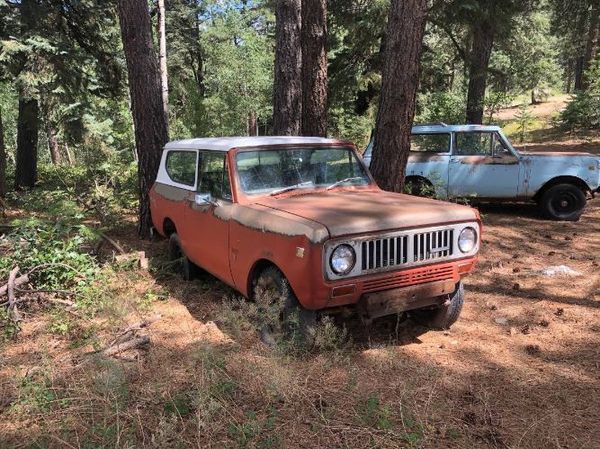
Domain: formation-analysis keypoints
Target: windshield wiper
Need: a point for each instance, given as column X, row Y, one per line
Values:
column 292, row 187
column 342, row 181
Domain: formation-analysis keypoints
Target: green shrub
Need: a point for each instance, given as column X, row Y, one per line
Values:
column 582, row 112
column 447, row 107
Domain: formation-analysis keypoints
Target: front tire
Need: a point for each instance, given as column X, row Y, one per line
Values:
column 563, row 202
column 444, row 316
column 281, row 314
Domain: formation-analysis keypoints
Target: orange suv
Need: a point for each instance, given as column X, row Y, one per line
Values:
column 303, row 217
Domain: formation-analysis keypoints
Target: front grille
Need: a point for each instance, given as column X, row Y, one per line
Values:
column 384, row 252
column 433, row 245
column 395, row 251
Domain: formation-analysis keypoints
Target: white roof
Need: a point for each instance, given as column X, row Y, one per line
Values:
column 443, row 128
column 228, row 143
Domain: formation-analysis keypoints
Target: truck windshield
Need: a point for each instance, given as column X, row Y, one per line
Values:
column 283, row 170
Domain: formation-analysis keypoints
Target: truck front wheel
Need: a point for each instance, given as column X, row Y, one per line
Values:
column 280, row 312
column 444, row 316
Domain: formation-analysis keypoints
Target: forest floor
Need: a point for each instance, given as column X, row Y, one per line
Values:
column 520, row 369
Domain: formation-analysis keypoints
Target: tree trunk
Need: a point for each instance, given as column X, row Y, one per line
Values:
column 400, row 80
column 55, row 155
column 314, row 68
column 481, row 50
column 2, row 160
column 578, row 74
column 150, row 126
column 252, row 124
column 162, row 45
column 287, row 101
column 27, row 141
column 70, row 158
column 590, row 45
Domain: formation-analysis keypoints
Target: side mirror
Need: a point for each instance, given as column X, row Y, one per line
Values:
column 204, row 199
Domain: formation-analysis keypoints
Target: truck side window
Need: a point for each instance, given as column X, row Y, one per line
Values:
column 181, row 167
column 473, row 144
column 214, row 175
column 500, row 148
column 430, row 143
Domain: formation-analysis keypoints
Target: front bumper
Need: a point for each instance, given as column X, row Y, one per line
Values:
column 389, row 302
column 397, row 291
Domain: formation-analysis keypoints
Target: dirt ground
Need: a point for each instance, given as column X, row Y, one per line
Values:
column 520, row 369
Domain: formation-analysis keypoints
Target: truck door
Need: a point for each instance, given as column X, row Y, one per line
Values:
column 483, row 166
column 208, row 222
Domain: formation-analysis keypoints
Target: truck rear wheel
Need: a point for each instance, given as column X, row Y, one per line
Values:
column 188, row 269
column 281, row 314
column 444, row 316
column 563, row 202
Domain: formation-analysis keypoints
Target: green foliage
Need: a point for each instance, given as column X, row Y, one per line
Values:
column 524, row 119
column 447, row 107
column 582, row 112
column 56, row 247
column 373, row 414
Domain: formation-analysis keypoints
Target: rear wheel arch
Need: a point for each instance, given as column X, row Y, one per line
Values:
column 168, row 227
column 419, row 181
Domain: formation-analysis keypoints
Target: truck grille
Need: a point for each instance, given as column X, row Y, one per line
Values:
column 393, row 251
column 384, row 252
column 401, row 249
column 433, row 245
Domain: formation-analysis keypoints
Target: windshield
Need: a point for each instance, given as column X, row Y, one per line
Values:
column 287, row 169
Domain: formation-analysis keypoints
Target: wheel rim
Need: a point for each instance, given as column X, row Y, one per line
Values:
column 564, row 203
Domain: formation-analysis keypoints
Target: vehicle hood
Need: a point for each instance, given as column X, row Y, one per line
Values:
column 362, row 212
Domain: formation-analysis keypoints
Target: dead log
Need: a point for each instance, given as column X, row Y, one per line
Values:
column 133, row 343
column 23, row 279
column 13, row 311
column 111, row 241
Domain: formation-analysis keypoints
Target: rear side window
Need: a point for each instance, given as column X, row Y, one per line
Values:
column 181, row 167
column 214, row 175
column 430, row 143
column 474, row 143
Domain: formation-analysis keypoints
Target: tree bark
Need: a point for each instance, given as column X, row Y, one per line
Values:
column 287, row 96
column 27, row 142
column 400, row 80
column 590, row 45
column 150, row 126
column 2, row 160
column 162, row 45
column 252, row 124
column 53, row 146
column 481, row 50
column 314, row 68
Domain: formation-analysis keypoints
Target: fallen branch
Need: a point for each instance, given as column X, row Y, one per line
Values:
column 23, row 279
column 133, row 343
column 111, row 241
column 134, row 328
column 13, row 311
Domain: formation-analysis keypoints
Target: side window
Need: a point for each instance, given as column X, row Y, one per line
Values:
column 181, row 167
column 430, row 143
column 473, row 144
column 500, row 148
column 214, row 175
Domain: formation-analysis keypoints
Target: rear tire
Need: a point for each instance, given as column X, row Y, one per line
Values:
column 563, row 202
column 444, row 316
column 189, row 270
column 282, row 316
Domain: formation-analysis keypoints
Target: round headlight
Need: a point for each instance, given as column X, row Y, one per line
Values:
column 342, row 259
column 467, row 240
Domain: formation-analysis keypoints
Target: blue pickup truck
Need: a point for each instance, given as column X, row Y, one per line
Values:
column 479, row 162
